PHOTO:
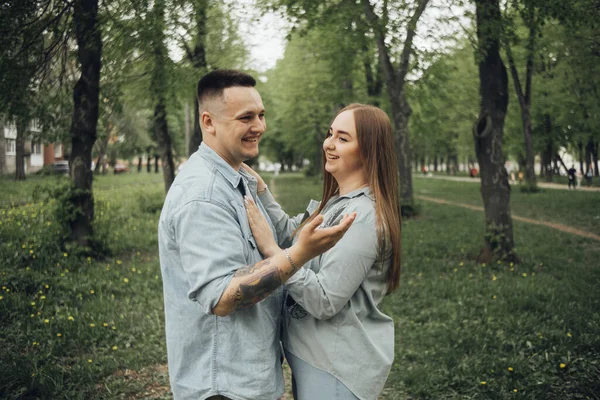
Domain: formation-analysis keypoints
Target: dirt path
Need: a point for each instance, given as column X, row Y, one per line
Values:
column 553, row 225
column 545, row 185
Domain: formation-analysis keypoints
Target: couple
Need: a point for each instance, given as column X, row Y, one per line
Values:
column 228, row 250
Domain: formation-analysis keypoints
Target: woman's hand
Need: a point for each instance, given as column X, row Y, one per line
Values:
column 261, row 185
column 313, row 240
column 260, row 229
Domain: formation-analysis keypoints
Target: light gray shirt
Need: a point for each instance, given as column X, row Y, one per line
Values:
column 203, row 238
column 331, row 316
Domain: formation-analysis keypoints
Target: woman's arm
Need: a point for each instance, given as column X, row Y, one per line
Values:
column 343, row 268
column 283, row 223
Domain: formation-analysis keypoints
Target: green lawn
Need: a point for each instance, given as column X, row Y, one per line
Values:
column 463, row 330
column 575, row 208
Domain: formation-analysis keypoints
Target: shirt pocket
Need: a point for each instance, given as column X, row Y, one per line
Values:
column 251, row 250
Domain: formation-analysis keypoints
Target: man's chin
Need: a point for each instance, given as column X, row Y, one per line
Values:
column 251, row 154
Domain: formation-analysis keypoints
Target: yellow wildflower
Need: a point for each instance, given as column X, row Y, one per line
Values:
column 89, row 361
column 569, row 334
column 46, row 321
column 114, row 348
column 483, row 382
column 59, row 334
column 43, row 298
column 510, row 369
column 562, row 365
column 92, row 325
column 71, row 318
column 126, row 280
column 65, row 255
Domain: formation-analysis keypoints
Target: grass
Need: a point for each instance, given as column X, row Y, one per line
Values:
column 463, row 330
column 575, row 208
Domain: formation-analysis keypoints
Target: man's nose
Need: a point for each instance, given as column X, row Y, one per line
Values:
column 259, row 125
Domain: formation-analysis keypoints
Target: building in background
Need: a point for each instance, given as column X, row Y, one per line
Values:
column 37, row 154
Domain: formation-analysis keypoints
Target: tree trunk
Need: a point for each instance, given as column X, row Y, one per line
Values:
column 148, row 160
column 85, row 118
column 2, row 149
column 595, row 158
column 20, row 149
column 525, row 97
column 139, row 166
column 488, row 133
column 395, row 79
column 589, row 149
column 187, row 128
column 159, row 85
column 197, row 58
column 102, row 156
column 580, row 147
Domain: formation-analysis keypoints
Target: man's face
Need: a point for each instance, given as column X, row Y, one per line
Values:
column 235, row 124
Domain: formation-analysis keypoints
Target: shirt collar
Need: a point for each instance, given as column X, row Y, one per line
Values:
column 365, row 190
column 230, row 174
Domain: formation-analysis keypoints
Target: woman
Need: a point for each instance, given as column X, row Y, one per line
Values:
column 338, row 343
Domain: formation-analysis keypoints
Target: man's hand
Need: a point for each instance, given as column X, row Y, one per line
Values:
column 260, row 229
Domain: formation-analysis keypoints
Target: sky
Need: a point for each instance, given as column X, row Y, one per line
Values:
column 266, row 38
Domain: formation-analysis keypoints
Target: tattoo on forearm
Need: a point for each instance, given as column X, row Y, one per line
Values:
column 259, row 280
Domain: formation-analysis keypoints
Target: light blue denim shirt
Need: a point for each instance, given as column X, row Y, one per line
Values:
column 204, row 237
column 332, row 319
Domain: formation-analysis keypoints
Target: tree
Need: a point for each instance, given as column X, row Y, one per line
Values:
column 395, row 82
column 532, row 20
column 85, row 117
column 488, row 132
column 159, row 87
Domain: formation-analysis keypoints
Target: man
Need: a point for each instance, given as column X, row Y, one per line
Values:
column 222, row 300
column 571, row 173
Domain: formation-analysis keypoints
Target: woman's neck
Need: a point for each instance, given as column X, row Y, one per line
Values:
column 351, row 183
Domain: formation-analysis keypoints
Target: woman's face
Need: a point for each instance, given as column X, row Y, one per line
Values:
column 341, row 148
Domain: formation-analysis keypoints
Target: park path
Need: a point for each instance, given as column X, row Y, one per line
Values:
column 553, row 225
column 545, row 185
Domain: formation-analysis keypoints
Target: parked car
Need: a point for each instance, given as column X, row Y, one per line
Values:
column 119, row 168
column 57, row 167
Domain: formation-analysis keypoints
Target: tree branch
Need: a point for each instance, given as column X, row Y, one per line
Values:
column 411, row 30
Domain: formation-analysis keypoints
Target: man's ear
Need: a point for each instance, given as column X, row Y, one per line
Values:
column 207, row 123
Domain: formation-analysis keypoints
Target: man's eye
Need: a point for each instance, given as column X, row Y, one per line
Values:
column 246, row 118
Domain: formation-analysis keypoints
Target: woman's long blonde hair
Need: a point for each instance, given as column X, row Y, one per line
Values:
column 378, row 153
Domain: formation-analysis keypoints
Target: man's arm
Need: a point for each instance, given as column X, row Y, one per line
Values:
column 253, row 283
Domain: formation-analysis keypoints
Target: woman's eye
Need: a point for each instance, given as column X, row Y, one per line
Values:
column 328, row 134
column 343, row 139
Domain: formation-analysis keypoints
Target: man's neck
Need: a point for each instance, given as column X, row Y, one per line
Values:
column 235, row 165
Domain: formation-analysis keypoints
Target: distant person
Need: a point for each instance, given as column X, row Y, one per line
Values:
column 424, row 169
column 572, row 178
column 521, row 177
column 337, row 341
column 589, row 175
column 222, row 299
column 473, row 172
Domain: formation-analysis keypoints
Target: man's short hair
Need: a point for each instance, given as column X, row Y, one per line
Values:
column 215, row 82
